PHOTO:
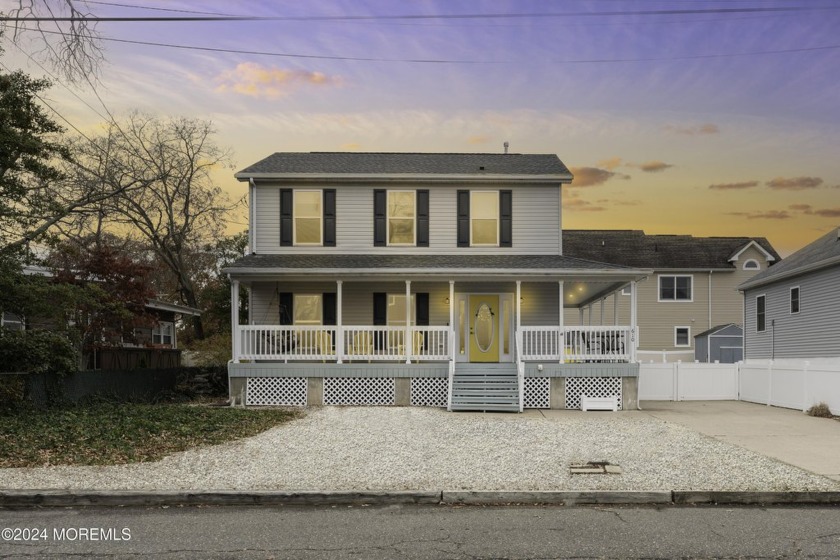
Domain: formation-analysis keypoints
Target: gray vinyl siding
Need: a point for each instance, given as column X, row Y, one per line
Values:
column 536, row 220
column 539, row 305
column 814, row 332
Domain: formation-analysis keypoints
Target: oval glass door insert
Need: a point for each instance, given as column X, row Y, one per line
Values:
column 485, row 327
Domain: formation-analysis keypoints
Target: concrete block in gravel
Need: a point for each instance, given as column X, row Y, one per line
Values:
column 757, row 498
column 557, row 498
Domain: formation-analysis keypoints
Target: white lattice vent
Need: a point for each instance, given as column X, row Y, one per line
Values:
column 359, row 391
column 287, row 391
column 537, row 392
column 592, row 387
column 429, row 391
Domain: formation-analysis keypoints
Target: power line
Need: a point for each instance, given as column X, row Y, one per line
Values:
column 610, row 13
column 457, row 61
column 135, row 7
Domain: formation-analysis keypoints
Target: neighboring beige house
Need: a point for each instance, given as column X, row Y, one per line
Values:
column 694, row 285
column 421, row 279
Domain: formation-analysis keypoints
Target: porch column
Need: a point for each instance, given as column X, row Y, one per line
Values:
column 234, row 319
column 580, row 316
column 561, row 341
column 408, row 321
column 590, row 314
column 602, row 310
column 634, row 330
column 451, row 334
column 339, row 332
column 615, row 308
column 518, row 307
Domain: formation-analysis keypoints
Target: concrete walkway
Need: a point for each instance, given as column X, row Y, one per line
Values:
column 787, row 435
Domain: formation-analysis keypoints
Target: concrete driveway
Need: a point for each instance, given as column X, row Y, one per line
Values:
column 787, row 435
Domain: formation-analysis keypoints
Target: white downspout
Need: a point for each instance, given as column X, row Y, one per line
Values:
column 252, row 230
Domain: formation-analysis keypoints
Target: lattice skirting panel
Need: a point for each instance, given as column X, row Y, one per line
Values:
column 429, row 391
column 288, row 391
column 359, row 391
column 592, row 387
column 537, row 392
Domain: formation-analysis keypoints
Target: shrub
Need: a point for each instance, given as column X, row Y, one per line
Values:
column 820, row 410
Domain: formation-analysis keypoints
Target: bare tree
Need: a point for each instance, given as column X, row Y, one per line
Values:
column 72, row 47
column 179, row 210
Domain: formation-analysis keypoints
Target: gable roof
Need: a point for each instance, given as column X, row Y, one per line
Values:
column 635, row 248
column 822, row 253
column 716, row 329
column 410, row 165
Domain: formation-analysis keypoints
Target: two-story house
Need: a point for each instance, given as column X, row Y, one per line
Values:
column 422, row 279
column 693, row 289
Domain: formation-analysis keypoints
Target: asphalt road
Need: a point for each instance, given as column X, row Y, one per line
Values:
column 422, row 532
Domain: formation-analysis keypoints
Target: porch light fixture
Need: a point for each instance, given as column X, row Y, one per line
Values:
column 446, row 300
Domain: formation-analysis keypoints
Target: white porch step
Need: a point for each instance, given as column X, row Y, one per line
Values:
column 485, row 387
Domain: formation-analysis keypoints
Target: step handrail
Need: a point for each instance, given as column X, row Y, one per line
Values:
column 451, row 370
column 520, row 370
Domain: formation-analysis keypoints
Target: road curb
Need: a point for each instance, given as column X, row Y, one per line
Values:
column 129, row 498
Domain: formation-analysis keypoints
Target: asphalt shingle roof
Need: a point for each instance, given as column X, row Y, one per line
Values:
column 636, row 249
column 382, row 163
column 419, row 262
column 825, row 249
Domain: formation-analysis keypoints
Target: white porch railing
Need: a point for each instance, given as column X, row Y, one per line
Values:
column 579, row 344
column 360, row 343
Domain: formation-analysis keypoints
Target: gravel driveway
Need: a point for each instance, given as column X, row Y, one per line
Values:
column 334, row 448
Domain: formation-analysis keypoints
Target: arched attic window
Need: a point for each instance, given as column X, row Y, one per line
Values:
column 751, row 264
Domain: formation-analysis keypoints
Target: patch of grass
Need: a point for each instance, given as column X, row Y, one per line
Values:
column 820, row 410
column 106, row 433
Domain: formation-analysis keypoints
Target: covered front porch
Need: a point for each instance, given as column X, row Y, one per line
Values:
column 480, row 332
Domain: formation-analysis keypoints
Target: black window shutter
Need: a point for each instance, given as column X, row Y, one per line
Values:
column 380, row 217
column 380, row 318
column 421, row 301
column 286, row 221
column 463, row 218
column 423, row 218
column 329, row 314
column 506, row 218
column 329, row 217
column 287, row 313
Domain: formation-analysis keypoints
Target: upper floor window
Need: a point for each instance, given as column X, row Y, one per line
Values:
column 751, row 264
column 794, row 300
column 308, row 216
column 675, row 288
column 401, row 218
column 760, row 313
column 485, row 218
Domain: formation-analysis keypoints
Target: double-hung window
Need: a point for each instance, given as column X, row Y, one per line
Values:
column 307, row 217
column 402, row 220
column 682, row 336
column 11, row 321
column 163, row 333
column 484, row 218
column 308, row 309
column 308, row 214
column 396, row 310
column 675, row 288
column 760, row 313
column 794, row 300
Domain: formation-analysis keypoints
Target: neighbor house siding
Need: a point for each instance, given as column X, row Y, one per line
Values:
column 536, row 220
column 814, row 332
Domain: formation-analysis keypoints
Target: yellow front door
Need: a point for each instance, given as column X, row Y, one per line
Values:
column 484, row 328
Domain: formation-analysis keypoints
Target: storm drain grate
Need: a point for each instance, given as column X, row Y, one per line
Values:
column 594, row 467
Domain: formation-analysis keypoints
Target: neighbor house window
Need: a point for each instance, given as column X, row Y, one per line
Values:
column 11, row 321
column 682, row 336
column 308, row 309
column 760, row 313
column 396, row 310
column 163, row 333
column 308, row 214
column 675, row 288
column 794, row 300
column 484, row 218
column 401, row 218
column 751, row 264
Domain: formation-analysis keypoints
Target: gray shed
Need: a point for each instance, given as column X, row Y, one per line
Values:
column 723, row 343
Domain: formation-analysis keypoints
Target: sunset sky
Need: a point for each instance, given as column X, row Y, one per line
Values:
column 685, row 117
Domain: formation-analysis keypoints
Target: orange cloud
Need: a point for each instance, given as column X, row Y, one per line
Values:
column 826, row 213
column 766, row 215
column 478, row 139
column 591, row 176
column 794, row 184
column 581, row 205
column 698, row 130
column 654, row 166
column 800, row 207
column 734, row 186
column 610, row 163
column 255, row 80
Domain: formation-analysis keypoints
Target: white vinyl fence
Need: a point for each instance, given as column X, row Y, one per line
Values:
column 795, row 384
